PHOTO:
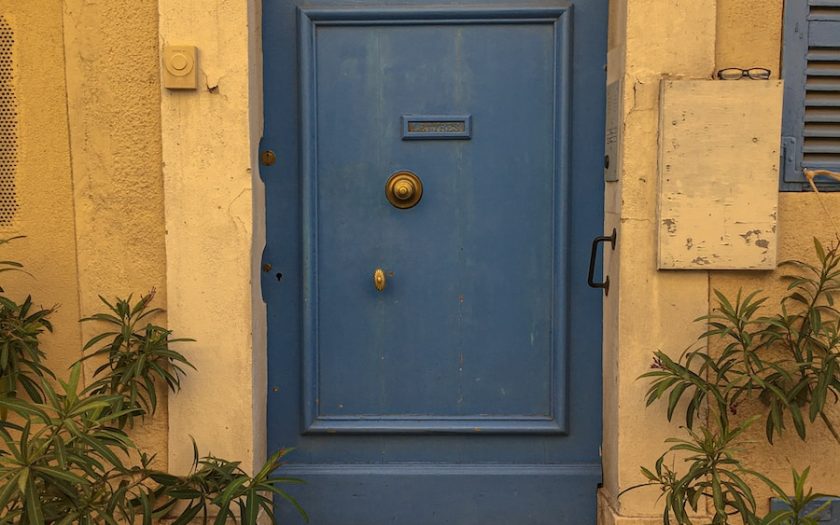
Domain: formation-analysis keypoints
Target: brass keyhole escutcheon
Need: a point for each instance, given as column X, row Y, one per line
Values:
column 379, row 280
column 404, row 189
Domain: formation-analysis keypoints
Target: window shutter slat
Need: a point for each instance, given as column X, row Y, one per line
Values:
column 822, row 99
column 823, row 33
column 824, row 8
column 830, row 115
column 823, row 84
column 829, row 130
column 823, row 55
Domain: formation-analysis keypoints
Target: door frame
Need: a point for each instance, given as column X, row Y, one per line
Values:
column 224, row 405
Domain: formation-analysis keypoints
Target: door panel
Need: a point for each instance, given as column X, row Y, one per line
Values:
column 468, row 311
column 457, row 392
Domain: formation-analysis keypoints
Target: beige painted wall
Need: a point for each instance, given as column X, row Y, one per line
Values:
column 649, row 308
column 214, row 224
column 802, row 216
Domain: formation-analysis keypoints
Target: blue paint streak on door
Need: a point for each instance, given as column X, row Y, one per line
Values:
column 468, row 390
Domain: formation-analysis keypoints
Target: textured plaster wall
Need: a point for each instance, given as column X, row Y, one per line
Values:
column 749, row 34
column 214, row 236
column 648, row 309
column 44, row 185
column 802, row 216
column 113, row 103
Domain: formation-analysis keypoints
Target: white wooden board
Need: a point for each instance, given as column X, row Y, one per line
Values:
column 719, row 174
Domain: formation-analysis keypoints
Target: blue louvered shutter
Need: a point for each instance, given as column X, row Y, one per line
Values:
column 811, row 70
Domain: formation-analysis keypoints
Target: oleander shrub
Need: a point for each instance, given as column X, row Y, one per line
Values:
column 785, row 360
column 66, row 455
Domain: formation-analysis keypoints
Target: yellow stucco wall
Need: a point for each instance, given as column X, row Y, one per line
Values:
column 749, row 33
column 87, row 83
column 113, row 103
column 801, row 218
column 215, row 232
column 648, row 307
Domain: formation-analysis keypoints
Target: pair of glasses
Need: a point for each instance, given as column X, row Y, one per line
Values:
column 736, row 73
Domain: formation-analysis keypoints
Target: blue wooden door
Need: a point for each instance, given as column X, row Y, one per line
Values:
column 434, row 355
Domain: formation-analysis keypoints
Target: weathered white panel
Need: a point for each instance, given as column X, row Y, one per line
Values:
column 719, row 174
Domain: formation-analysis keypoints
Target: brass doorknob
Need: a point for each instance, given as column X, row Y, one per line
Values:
column 404, row 189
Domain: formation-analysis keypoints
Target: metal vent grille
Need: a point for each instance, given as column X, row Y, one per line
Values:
column 8, row 127
column 821, row 137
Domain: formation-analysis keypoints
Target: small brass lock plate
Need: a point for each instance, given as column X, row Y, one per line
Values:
column 379, row 280
column 404, row 189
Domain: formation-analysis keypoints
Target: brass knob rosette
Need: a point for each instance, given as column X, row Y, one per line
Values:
column 404, row 189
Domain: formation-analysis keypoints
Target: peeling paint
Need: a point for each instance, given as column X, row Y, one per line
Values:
column 747, row 236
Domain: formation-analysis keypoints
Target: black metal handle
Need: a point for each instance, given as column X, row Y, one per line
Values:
column 591, row 280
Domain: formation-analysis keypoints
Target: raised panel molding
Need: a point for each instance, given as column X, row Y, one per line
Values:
column 311, row 21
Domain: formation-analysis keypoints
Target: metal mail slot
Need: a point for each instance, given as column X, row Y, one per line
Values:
column 436, row 127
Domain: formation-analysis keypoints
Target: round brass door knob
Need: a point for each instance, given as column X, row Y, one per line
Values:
column 404, row 189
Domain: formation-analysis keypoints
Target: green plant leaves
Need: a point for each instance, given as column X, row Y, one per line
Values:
column 21, row 358
column 712, row 472
column 66, row 450
column 787, row 360
column 800, row 509
column 218, row 486
column 137, row 356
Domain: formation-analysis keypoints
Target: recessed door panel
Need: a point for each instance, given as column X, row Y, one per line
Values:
column 469, row 307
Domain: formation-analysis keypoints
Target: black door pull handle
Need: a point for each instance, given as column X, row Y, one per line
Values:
column 605, row 285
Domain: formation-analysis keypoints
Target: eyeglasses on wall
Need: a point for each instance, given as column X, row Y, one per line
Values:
column 736, row 73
